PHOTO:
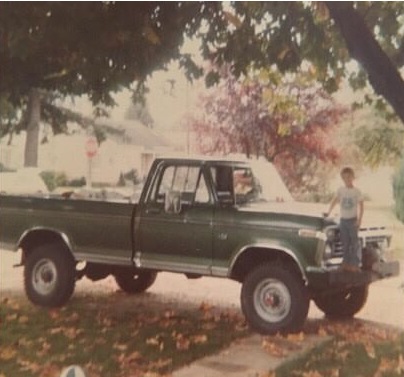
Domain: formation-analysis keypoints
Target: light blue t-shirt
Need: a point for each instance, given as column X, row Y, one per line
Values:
column 349, row 198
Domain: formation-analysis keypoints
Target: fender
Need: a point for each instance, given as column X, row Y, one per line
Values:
column 268, row 246
column 57, row 234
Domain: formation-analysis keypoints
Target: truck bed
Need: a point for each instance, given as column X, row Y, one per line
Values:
column 96, row 231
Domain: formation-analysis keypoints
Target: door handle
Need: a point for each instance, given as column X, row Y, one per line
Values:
column 153, row 211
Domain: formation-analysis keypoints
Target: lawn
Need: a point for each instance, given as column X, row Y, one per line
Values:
column 109, row 336
column 355, row 349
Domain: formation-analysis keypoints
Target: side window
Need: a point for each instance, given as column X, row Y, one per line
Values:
column 183, row 180
column 202, row 193
column 222, row 177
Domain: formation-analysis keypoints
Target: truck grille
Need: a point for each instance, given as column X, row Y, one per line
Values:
column 380, row 239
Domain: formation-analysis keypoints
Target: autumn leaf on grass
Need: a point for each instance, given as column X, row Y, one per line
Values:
column 370, row 350
column 11, row 317
column 385, row 365
column 400, row 367
column 119, row 347
column 205, row 307
column 268, row 374
column 54, row 314
column 7, row 353
column 199, row 339
column 296, row 338
column 181, row 342
column 169, row 314
column 312, row 373
column 155, row 341
column 28, row 366
column 160, row 363
column 124, row 359
column 71, row 332
column 49, row 370
column 273, row 349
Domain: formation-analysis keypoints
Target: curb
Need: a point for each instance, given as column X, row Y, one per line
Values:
column 249, row 357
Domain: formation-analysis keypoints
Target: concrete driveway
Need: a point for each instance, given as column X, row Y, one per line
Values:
column 385, row 303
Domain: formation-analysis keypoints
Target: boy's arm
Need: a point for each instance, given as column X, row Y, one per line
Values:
column 361, row 209
column 334, row 201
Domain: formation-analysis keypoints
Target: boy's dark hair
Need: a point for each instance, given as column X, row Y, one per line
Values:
column 347, row 170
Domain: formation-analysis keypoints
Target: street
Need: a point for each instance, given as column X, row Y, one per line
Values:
column 385, row 303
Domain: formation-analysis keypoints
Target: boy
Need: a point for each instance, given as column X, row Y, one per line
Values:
column 351, row 213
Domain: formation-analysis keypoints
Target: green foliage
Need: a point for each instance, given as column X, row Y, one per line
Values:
column 132, row 176
column 135, row 39
column 398, row 191
column 54, row 179
column 379, row 141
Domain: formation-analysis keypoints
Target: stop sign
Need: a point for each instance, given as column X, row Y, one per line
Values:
column 91, row 147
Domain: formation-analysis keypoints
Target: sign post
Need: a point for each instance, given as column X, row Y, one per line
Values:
column 91, row 148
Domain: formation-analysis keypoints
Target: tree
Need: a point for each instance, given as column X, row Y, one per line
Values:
column 289, row 121
column 378, row 141
column 105, row 47
column 398, row 191
column 326, row 35
column 110, row 45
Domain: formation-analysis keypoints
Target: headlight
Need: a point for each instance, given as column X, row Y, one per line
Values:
column 312, row 233
column 330, row 234
column 327, row 252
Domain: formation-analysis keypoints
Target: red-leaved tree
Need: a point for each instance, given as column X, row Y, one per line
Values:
column 287, row 119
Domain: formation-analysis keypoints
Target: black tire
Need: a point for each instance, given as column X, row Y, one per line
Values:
column 49, row 275
column 274, row 300
column 342, row 305
column 137, row 281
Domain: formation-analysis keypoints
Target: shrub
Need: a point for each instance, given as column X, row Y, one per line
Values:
column 53, row 179
column 398, row 191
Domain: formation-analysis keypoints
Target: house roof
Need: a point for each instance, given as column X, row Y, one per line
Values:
column 135, row 133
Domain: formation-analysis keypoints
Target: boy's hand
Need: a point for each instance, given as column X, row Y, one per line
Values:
column 358, row 223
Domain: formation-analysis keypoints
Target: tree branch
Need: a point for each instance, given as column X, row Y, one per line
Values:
column 363, row 47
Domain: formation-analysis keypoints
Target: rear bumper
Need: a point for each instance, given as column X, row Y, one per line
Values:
column 323, row 278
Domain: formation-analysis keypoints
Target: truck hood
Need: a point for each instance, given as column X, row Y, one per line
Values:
column 371, row 221
column 289, row 208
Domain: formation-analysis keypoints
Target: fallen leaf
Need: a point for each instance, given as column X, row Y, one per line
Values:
column 400, row 366
column 199, row 339
column 370, row 350
column 7, row 353
column 182, row 344
column 273, row 349
column 23, row 319
column 297, row 338
column 120, row 347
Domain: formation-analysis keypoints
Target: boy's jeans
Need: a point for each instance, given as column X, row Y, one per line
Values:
column 350, row 242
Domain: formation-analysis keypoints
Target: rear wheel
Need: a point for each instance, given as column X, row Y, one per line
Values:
column 343, row 304
column 49, row 275
column 274, row 299
column 135, row 281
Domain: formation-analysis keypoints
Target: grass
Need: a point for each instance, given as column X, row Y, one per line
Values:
column 355, row 350
column 109, row 339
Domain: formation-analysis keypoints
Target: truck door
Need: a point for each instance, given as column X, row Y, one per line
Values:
column 175, row 230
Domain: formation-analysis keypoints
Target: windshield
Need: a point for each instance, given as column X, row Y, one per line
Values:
column 243, row 184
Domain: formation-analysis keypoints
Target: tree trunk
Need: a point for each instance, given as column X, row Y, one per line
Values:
column 363, row 47
column 33, row 118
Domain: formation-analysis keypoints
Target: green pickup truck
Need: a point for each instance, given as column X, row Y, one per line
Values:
column 200, row 217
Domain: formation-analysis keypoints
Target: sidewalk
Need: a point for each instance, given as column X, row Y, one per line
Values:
column 249, row 358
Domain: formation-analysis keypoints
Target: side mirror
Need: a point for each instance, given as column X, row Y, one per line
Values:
column 172, row 203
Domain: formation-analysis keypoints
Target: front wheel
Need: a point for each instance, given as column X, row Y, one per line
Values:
column 49, row 275
column 136, row 281
column 274, row 300
column 343, row 304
